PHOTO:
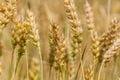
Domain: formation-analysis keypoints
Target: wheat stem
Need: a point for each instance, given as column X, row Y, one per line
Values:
column 27, row 66
column 11, row 64
column 100, row 70
column 41, row 62
column 82, row 70
column 15, row 70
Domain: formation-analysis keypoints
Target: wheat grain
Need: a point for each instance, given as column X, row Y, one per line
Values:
column 91, row 28
column 9, row 12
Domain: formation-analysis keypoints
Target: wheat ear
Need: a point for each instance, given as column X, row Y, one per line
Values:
column 19, row 37
column 59, row 42
column 34, row 36
column 94, row 38
column 9, row 12
column 106, row 41
column 76, row 27
column 113, row 50
column 76, row 39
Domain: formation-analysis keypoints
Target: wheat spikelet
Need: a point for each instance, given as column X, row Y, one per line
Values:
column 71, row 68
column 76, row 28
column 20, row 34
column 89, row 75
column 95, row 47
column 2, row 7
column 9, row 12
column 34, row 70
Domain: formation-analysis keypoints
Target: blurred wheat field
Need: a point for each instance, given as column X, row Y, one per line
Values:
column 59, row 39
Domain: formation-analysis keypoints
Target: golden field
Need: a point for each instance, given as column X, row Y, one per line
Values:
column 59, row 39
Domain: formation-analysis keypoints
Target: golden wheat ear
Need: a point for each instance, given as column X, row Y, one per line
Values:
column 76, row 36
column 59, row 43
column 105, row 40
column 20, row 37
column 113, row 50
column 34, row 36
column 89, row 16
column 113, row 44
column 91, row 28
column 76, row 27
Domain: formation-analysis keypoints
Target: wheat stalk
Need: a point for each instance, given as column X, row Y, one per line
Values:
column 0, row 57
